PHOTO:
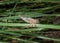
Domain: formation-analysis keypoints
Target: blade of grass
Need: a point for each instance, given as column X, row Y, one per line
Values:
column 44, row 37
column 3, row 42
column 18, row 39
column 3, row 3
column 38, row 25
column 22, row 1
column 26, row 30
column 10, row 33
column 28, row 14
column 48, row 38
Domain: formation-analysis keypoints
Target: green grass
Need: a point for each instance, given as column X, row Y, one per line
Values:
column 33, row 9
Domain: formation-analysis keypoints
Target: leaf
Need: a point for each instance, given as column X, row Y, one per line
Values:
column 38, row 25
column 3, row 42
column 48, row 38
column 27, row 14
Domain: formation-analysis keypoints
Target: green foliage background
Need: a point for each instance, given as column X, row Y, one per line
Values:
column 12, row 28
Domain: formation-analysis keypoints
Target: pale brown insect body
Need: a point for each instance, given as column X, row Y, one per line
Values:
column 32, row 22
